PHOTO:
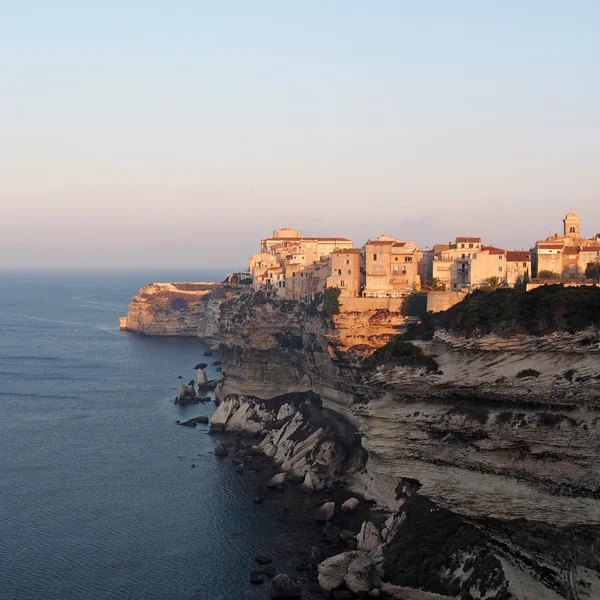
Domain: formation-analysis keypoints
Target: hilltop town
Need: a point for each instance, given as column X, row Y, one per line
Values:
column 293, row 266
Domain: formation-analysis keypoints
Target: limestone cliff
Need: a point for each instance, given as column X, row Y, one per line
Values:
column 178, row 309
column 503, row 432
column 500, row 429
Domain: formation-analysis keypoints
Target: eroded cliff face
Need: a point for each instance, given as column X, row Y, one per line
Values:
column 178, row 309
column 503, row 433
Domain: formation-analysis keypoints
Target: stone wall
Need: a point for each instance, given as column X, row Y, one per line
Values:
column 440, row 301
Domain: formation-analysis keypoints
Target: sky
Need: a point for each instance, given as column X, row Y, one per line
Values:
column 177, row 135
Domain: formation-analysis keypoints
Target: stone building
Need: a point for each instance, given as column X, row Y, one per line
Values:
column 450, row 262
column 286, row 242
column 466, row 264
column 518, row 267
column 392, row 268
column 345, row 270
column 566, row 255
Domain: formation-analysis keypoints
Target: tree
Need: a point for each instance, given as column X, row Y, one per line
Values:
column 494, row 283
column 592, row 271
column 414, row 305
column 548, row 275
column 434, row 285
column 331, row 301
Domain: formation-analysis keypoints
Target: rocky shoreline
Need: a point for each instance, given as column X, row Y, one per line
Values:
column 331, row 531
column 491, row 439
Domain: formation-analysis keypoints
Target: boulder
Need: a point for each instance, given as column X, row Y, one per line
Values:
column 276, row 481
column 263, row 560
column 350, row 505
column 368, row 538
column 375, row 593
column 208, row 353
column 257, row 577
column 325, row 513
column 220, row 449
column 193, row 422
column 333, row 570
column 239, row 468
column 309, row 482
column 283, row 586
column 270, row 571
column 202, row 378
column 200, row 366
column 332, row 533
column 362, row 575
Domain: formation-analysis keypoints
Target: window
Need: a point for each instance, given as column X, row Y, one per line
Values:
column 339, row 271
column 464, row 256
column 342, row 283
column 499, row 256
column 408, row 259
column 524, row 264
column 349, row 271
column 500, row 269
column 347, row 261
column 374, row 256
column 470, row 245
column 396, row 258
column 462, row 245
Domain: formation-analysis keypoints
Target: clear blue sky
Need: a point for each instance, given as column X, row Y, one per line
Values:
column 155, row 134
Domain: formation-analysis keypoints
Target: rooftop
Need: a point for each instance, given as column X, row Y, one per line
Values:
column 517, row 256
column 493, row 250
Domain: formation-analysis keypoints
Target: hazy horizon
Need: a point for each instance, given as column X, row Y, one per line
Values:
column 144, row 137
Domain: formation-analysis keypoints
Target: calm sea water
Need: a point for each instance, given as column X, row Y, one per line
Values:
column 98, row 499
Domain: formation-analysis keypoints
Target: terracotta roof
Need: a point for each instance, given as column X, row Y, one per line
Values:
column 382, row 242
column 517, row 256
column 571, row 250
column 399, row 244
column 468, row 239
column 493, row 250
column 347, row 250
column 591, row 249
column 546, row 246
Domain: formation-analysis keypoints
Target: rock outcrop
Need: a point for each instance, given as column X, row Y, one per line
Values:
column 181, row 309
column 495, row 438
column 502, row 431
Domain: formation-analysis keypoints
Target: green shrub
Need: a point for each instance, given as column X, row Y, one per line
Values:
column 414, row 305
column 178, row 303
column 331, row 301
column 404, row 353
column 528, row 373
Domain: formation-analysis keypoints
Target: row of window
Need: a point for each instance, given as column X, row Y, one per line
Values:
column 407, row 259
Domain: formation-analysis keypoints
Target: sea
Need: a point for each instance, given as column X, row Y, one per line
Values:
column 102, row 495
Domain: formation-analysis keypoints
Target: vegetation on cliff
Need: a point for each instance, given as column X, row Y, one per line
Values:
column 401, row 352
column 542, row 311
column 437, row 551
column 331, row 301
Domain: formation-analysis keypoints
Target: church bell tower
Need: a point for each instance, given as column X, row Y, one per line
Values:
column 572, row 226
